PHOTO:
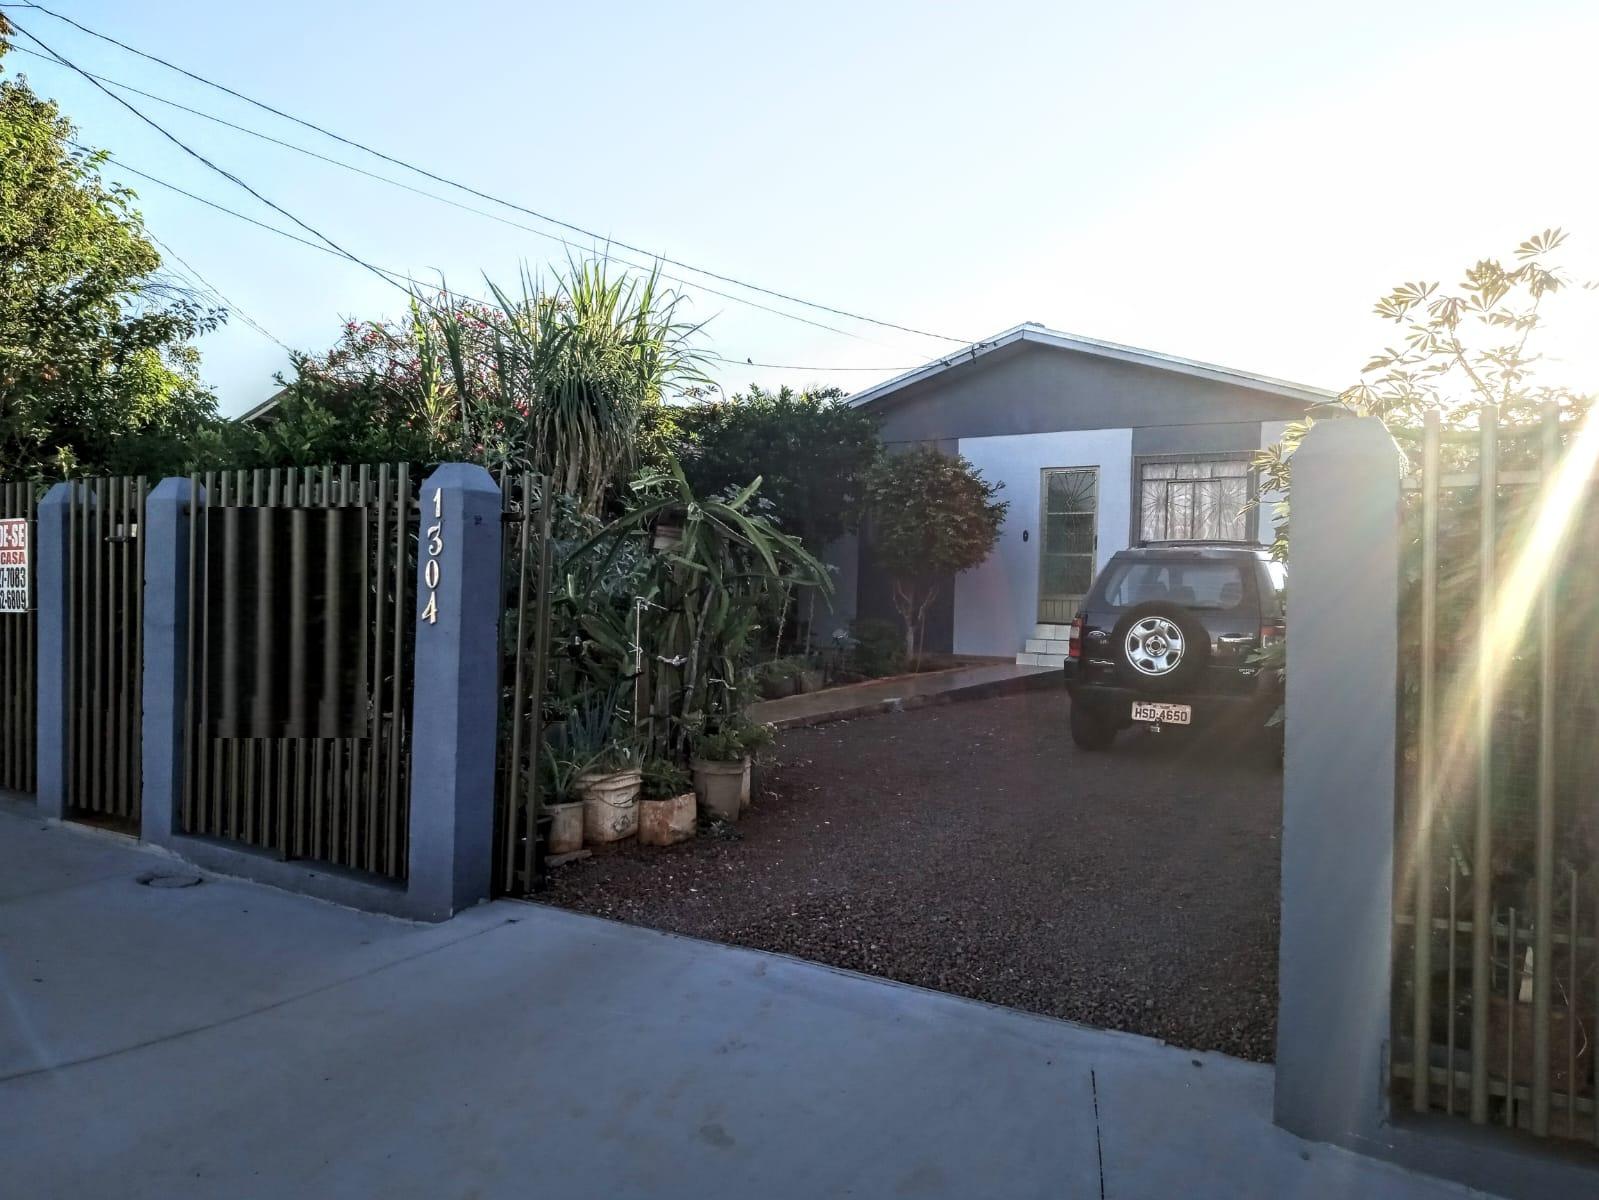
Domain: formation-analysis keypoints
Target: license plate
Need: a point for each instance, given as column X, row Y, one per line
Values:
column 1165, row 714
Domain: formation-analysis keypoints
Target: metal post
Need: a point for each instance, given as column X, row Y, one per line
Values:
column 1544, row 898
column 1426, row 807
column 1482, row 840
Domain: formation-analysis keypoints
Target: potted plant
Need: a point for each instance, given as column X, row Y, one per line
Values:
column 610, row 777
column 668, row 806
column 754, row 738
column 721, row 771
column 562, row 803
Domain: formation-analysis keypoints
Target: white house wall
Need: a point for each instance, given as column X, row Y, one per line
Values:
column 996, row 604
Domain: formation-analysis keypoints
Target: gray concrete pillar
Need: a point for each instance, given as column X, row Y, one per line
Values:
column 455, row 706
column 167, row 522
column 51, row 561
column 1338, row 784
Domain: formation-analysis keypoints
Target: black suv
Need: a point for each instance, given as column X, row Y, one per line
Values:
column 1168, row 635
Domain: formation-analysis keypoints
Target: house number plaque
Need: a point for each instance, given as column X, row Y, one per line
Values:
column 432, row 570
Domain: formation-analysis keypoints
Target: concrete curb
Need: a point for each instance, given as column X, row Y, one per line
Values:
column 1042, row 681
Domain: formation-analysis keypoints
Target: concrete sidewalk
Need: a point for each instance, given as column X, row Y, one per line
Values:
column 230, row 1040
column 975, row 682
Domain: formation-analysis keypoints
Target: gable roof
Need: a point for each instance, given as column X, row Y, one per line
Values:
column 1039, row 335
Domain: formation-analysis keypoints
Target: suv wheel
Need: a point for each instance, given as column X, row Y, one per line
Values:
column 1159, row 646
column 1090, row 731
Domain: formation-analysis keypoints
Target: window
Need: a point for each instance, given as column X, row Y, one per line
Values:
column 1214, row 585
column 1201, row 499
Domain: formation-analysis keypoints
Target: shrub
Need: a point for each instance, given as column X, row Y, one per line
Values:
column 879, row 647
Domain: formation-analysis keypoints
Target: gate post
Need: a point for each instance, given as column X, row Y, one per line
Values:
column 54, row 533
column 1335, row 959
column 455, row 702
column 168, row 520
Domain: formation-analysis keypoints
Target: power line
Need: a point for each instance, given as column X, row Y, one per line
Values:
column 207, row 285
column 398, row 275
column 195, row 154
column 482, row 195
column 503, row 220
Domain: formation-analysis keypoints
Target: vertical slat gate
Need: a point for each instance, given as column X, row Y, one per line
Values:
column 19, row 654
column 519, row 817
column 105, row 623
column 1497, row 951
column 303, row 792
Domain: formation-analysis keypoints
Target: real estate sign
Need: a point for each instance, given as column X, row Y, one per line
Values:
column 13, row 565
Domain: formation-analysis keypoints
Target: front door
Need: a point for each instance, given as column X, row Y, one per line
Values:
column 1066, row 544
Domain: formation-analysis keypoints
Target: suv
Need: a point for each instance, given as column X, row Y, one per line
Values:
column 1168, row 635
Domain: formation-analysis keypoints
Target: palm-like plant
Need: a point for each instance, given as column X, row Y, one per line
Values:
column 562, row 378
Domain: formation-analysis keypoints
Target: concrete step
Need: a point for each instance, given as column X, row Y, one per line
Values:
column 1026, row 659
column 1052, row 633
column 1047, row 646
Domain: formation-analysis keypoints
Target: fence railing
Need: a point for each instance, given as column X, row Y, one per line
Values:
column 18, row 640
column 105, row 602
column 1497, row 887
column 301, row 636
column 518, row 817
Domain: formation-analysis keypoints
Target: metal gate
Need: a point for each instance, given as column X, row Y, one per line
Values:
column 105, row 650
column 18, row 645
column 1497, row 958
column 301, row 641
column 519, row 821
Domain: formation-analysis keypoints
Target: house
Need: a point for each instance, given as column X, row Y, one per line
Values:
column 1098, row 446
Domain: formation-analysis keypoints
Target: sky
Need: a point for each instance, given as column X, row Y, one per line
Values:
column 1233, row 182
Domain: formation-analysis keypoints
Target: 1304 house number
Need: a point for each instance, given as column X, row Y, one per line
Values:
column 431, row 568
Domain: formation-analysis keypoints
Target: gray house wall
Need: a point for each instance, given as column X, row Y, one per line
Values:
column 1028, row 388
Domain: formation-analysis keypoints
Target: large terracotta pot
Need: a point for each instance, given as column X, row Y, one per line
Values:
column 666, row 822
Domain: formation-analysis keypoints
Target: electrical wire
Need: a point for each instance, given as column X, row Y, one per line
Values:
column 195, row 154
column 398, row 275
column 503, row 220
column 482, row 195
column 206, row 285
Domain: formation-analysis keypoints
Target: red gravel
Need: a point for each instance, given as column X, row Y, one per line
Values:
column 971, row 848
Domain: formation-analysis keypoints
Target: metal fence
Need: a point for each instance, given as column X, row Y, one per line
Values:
column 19, row 651
column 301, row 641
column 518, row 819
column 1497, row 960
column 105, row 650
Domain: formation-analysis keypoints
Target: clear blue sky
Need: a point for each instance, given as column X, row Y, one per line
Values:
column 1235, row 182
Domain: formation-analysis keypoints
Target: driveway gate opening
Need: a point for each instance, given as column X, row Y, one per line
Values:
column 18, row 633
column 301, row 641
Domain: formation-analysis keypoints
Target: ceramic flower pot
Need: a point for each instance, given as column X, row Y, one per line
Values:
column 669, row 821
column 566, row 827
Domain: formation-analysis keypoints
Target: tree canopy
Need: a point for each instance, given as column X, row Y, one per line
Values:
column 933, row 515
column 97, row 367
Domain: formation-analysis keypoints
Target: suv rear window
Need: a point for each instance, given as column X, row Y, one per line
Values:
column 1193, row 584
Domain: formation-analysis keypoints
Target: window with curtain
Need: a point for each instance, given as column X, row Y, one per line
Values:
column 1203, row 499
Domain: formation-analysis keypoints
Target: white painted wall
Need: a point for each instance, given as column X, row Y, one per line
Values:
column 996, row 604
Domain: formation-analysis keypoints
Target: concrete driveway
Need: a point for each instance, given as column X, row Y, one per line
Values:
column 229, row 1040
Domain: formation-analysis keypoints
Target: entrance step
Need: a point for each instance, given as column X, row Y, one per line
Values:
column 1030, row 659
column 1047, row 646
column 1051, row 633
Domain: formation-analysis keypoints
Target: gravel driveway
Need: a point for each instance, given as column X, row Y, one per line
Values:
column 971, row 848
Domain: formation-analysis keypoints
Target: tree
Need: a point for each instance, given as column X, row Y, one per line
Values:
column 1462, row 349
column 97, row 372
column 812, row 450
column 932, row 516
